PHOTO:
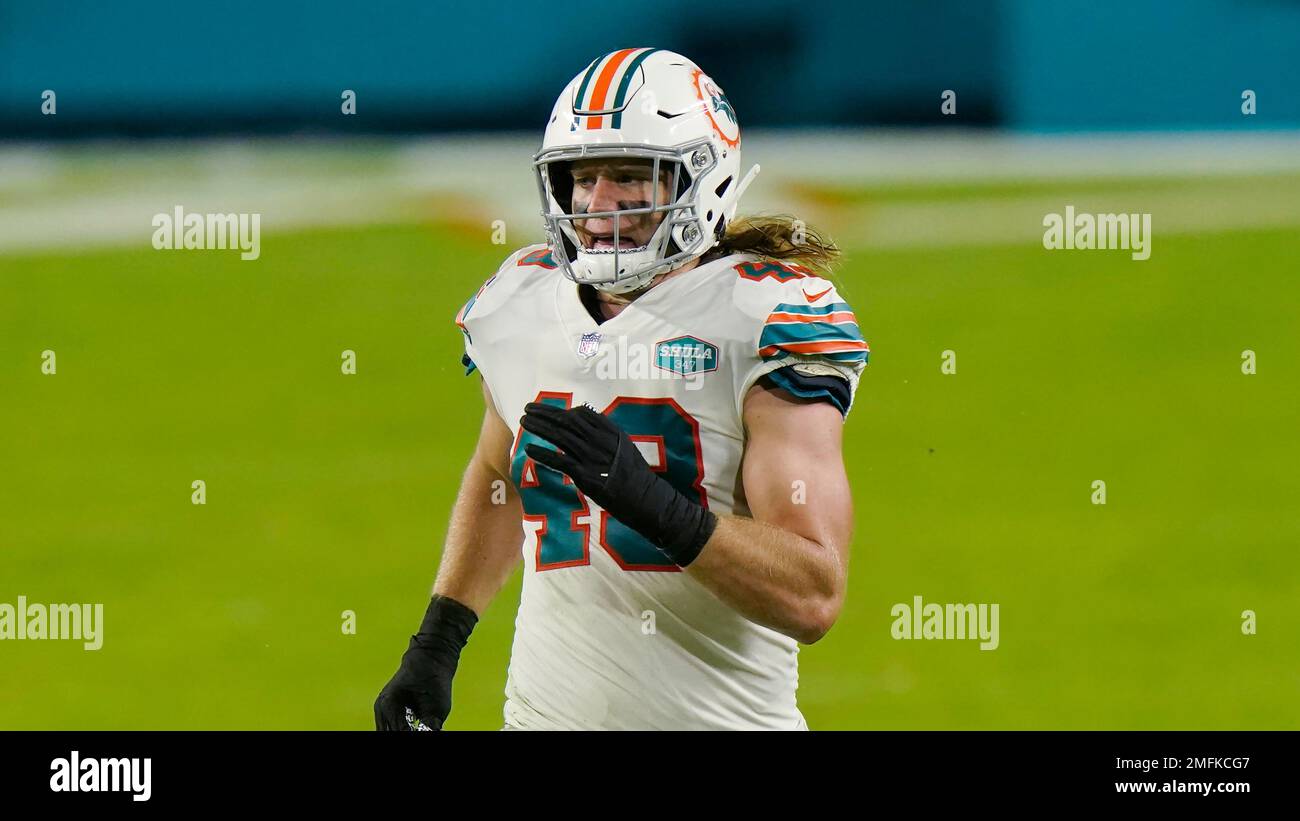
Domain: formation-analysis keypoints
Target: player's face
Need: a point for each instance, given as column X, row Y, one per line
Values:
column 614, row 185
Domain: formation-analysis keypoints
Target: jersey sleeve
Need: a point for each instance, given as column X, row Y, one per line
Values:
column 809, row 342
column 474, row 319
column 485, row 319
column 805, row 383
column 462, row 318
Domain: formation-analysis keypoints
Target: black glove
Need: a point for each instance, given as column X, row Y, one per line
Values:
column 419, row 695
column 605, row 465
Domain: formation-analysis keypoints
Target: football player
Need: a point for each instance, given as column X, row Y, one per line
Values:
column 665, row 390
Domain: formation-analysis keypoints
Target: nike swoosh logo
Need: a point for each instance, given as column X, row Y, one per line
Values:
column 815, row 297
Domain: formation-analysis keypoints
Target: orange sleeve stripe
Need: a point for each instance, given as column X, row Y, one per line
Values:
column 841, row 346
column 838, row 316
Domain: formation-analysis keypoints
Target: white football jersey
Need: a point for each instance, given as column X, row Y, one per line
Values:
column 610, row 634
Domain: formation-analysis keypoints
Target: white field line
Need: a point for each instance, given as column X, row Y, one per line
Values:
column 1019, row 220
column 126, row 220
column 297, row 184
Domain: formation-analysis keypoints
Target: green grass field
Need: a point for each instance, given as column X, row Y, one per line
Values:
column 328, row 493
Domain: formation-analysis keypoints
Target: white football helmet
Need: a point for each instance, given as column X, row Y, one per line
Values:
column 649, row 104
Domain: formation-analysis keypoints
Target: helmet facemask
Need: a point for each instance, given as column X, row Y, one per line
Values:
column 677, row 238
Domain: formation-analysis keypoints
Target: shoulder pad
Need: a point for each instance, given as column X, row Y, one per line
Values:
column 493, row 292
column 802, row 314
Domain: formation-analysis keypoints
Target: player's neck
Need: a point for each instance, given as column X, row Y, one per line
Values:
column 603, row 306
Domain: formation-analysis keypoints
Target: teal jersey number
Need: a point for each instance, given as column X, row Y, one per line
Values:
column 550, row 499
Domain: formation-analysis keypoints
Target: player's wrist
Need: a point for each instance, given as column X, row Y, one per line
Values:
column 670, row 520
column 683, row 537
column 447, row 625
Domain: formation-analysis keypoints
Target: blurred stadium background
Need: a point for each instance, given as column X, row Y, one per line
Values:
column 328, row 493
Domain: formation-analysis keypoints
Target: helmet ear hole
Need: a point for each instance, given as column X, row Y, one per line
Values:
column 683, row 184
column 723, row 186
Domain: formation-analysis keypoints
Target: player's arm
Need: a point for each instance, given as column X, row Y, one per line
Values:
column 481, row 550
column 483, row 538
column 786, row 568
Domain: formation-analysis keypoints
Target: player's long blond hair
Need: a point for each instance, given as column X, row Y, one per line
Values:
column 780, row 237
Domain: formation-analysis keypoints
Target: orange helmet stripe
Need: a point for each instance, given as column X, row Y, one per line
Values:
column 602, row 86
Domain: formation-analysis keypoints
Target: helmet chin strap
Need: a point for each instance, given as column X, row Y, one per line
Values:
column 733, row 199
column 744, row 183
column 629, row 286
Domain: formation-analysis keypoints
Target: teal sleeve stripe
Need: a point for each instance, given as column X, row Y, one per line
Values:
column 849, row 357
column 785, row 333
column 463, row 316
column 811, row 310
column 464, row 312
column 470, row 367
column 843, row 357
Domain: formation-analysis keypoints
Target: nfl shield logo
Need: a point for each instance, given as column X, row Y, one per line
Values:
column 588, row 345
